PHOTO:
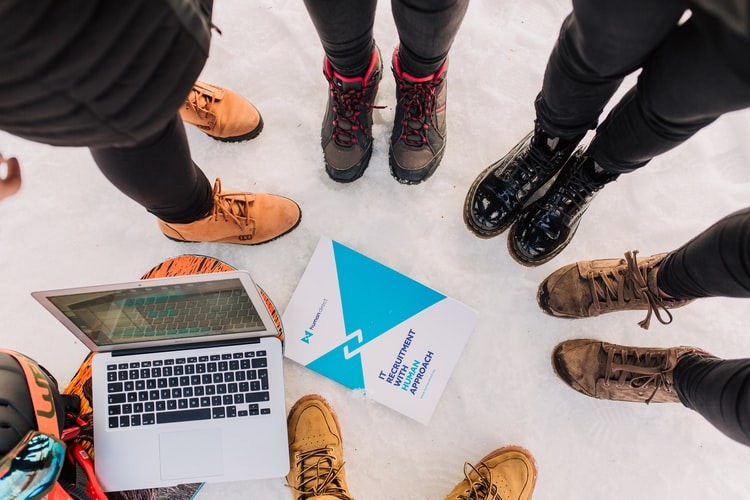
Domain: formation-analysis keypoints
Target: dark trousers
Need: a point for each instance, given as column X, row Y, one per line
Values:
column 160, row 175
column 716, row 263
column 426, row 30
column 691, row 74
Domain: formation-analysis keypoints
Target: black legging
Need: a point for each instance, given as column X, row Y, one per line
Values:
column 426, row 30
column 160, row 175
column 716, row 263
column 691, row 74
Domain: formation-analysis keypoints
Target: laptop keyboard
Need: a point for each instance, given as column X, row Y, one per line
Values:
column 184, row 388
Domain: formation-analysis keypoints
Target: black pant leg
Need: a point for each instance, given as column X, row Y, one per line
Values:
column 719, row 390
column 160, row 175
column 426, row 30
column 345, row 28
column 716, row 263
column 698, row 73
column 600, row 43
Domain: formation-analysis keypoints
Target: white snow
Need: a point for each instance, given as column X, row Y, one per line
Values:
column 68, row 226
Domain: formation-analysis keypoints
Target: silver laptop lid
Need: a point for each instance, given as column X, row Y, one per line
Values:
column 162, row 312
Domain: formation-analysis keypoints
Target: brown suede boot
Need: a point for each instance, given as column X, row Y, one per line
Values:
column 619, row 373
column 241, row 218
column 594, row 287
column 316, row 452
column 221, row 113
column 505, row 474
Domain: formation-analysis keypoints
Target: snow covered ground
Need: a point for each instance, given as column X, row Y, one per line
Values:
column 69, row 227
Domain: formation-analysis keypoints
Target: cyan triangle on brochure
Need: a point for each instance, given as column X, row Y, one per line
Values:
column 374, row 297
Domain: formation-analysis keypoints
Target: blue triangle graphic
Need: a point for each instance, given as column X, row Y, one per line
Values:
column 374, row 297
column 344, row 371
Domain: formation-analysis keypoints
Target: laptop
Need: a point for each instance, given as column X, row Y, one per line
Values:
column 187, row 379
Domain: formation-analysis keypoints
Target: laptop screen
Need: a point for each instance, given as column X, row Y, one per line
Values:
column 161, row 312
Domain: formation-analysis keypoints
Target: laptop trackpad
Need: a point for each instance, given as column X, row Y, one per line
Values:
column 190, row 454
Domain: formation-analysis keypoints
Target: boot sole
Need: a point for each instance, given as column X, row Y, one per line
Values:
column 241, row 138
column 246, row 244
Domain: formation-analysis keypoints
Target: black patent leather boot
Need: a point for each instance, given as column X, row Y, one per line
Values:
column 546, row 227
column 499, row 194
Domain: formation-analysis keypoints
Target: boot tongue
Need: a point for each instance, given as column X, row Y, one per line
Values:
column 347, row 83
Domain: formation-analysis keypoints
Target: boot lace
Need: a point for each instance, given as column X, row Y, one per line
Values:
column 231, row 206
column 531, row 166
column 628, row 285
column 574, row 194
column 482, row 487
column 419, row 106
column 348, row 107
column 200, row 101
column 640, row 370
column 318, row 476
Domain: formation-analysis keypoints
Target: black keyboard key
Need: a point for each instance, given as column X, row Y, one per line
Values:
column 252, row 397
column 260, row 363
column 218, row 412
column 116, row 398
column 114, row 409
column 114, row 387
column 183, row 415
column 265, row 411
column 231, row 411
column 226, row 356
column 114, row 422
column 124, row 421
column 111, row 377
column 135, row 420
column 111, row 367
column 148, row 418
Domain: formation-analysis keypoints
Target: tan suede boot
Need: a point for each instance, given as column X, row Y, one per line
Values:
column 316, row 452
column 221, row 113
column 594, row 287
column 241, row 218
column 619, row 373
column 505, row 474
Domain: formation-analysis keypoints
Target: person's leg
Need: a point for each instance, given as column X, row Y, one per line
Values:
column 716, row 263
column 160, row 175
column 695, row 76
column 719, row 390
column 426, row 32
column 600, row 43
column 353, row 70
column 345, row 30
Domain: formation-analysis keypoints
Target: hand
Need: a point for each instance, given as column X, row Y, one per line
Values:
column 11, row 182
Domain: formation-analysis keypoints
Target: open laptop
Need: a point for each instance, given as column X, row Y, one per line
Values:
column 187, row 379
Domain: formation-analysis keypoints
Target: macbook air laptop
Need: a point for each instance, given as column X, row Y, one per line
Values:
column 187, row 379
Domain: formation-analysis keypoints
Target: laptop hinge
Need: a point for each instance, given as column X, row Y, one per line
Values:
column 184, row 347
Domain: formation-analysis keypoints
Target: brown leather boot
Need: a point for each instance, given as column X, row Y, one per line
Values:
column 316, row 452
column 221, row 113
column 241, row 218
column 505, row 474
column 593, row 287
column 619, row 373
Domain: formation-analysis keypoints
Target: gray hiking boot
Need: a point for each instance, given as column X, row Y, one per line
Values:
column 346, row 134
column 419, row 125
